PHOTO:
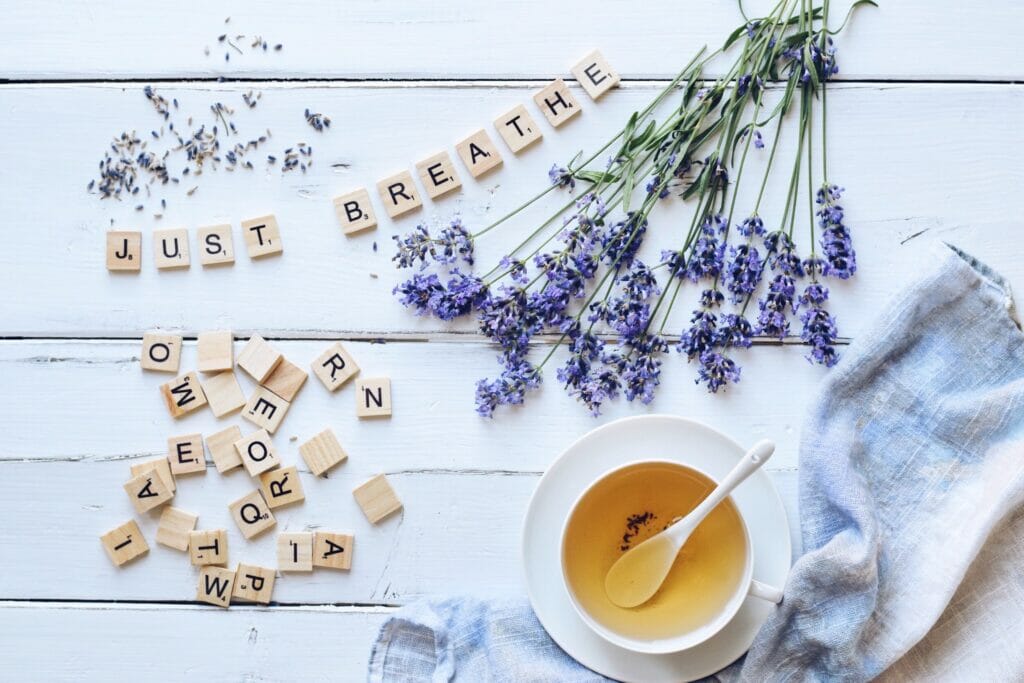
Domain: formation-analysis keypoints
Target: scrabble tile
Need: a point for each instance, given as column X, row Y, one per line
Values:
column 479, row 154
column 557, row 103
column 262, row 237
column 222, row 449
column 595, row 74
column 253, row 584
column 257, row 452
column 295, row 551
column 216, row 351
column 258, row 358
column 162, row 467
column 183, row 394
column 286, row 380
column 373, row 397
column 355, row 212
column 437, row 174
column 170, row 249
column 147, row 491
column 398, row 192
column 223, row 393
column 281, row 487
column 323, row 452
column 161, row 352
column 216, row 245
column 265, row 409
column 518, row 129
column 186, row 455
column 333, row 551
column 377, row 499
column 124, row 251
column 215, row 586
column 252, row 515
column 209, row 546
column 175, row 527
column 125, row 543
column 334, row 367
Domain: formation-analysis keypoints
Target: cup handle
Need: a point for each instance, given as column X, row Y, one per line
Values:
column 765, row 592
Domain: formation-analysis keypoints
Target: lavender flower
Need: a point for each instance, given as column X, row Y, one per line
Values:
column 623, row 239
column 772, row 320
column 753, row 225
column 819, row 327
column 418, row 292
column 735, row 330
column 413, row 247
column 836, row 244
column 743, row 272
column 711, row 298
column 585, row 378
column 706, row 258
column 517, row 377
column 629, row 314
column 454, row 243
column 653, row 185
column 758, row 140
column 641, row 370
column 701, row 336
column 461, row 296
column 516, row 269
column 676, row 262
column 781, row 254
column 716, row 371
column 561, row 177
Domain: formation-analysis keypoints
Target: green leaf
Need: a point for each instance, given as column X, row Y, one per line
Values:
column 849, row 13
column 597, row 176
column 733, row 37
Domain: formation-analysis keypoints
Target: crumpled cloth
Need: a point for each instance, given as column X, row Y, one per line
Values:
column 911, row 513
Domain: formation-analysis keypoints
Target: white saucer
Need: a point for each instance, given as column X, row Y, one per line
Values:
column 662, row 437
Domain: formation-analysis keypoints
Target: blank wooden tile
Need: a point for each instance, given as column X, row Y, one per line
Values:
column 295, row 551
column 258, row 358
column 161, row 352
column 323, row 452
column 377, row 499
column 438, row 175
column 595, row 74
column 286, row 380
column 355, row 212
column 170, row 249
column 186, row 455
column 557, row 103
column 175, row 527
column 281, row 487
column 373, row 397
column 257, row 452
column 331, row 550
column 215, row 586
column 222, row 449
column 216, row 351
column 124, row 251
column 265, row 409
column 162, row 468
column 252, row 515
column 262, row 237
column 223, row 393
column 147, row 491
column 209, row 546
column 125, row 543
column 183, row 394
column 518, row 129
column 216, row 245
column 399, row 194
column 334, row 367
column 479, row 154
column 253, row 584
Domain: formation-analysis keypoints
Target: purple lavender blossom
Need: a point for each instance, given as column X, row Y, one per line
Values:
column 743, row 272
column 516, row 269
column 676, row 262
column 836, row 243
column 517, row 377
column 561, row 177
column 781, row 254
column 453, row 243
column 418, row 292
column 641, row 370
column 814, row 294
column 820, row 332
column 413, row 247
column 623, row 239
column 735, row 330
column 773, row 320
column 462, row 294
column 754, row 225
column 758, row 140
column 716, row 371
column 706, row 258
column 701, row 336
column 653, row 185
column 711, row 298
column 629, row 313
column 588, row 384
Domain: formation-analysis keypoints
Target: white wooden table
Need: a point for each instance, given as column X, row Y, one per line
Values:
column 926, row 137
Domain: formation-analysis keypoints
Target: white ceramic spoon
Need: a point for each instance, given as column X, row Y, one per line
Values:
column 638, row 574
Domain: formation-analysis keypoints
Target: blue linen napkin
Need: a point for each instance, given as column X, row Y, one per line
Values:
column 912, row 518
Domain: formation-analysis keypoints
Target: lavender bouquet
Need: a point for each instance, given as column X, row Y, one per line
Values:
column 577, row 275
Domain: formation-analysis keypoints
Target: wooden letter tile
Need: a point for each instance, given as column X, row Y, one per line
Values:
column 257, row 452
column 124, row 543
column 215, row 586
column 162, row 467
column 208, row 547
column 124, row 251
column 262, row 237
column 215, row 351
column 253, row 584
column 334, row 367
column 170, row 249
column 557, row 103
column 147, row 491
column 355, row 212
column 333, row 551
column 258, row 358
column 595, row 75
column 286, row 380
column 398, row 192
column 322, row 452
column 295, row 551
column 252, row 515
column 175, row 527
column 377, row 499
column 373, row 397
column 222, row 449
column 223, row 393
column 161, row 352
column 518, row 129
column 479, row 154
column 437, row 174
column 265, row 409
column 186, row 455
column 216, row 246
column 281, row 487
column 183, row 394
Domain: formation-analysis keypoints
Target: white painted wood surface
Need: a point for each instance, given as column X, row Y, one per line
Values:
column 922, row 161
